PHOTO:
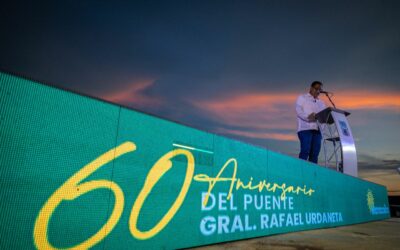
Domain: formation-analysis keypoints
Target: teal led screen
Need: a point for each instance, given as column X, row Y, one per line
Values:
column 81, row 173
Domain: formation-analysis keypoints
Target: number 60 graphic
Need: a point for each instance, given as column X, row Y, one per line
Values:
column 73, row 188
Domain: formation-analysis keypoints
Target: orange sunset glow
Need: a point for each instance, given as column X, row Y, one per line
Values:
column 132, row 94
column 269, row 109
column 257, row 113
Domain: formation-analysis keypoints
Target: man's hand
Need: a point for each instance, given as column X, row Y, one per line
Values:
column 311, row 117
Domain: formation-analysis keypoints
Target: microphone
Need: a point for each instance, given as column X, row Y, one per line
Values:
column 329, row 95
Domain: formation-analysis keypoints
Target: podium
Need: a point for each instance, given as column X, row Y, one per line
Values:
column 338, row 141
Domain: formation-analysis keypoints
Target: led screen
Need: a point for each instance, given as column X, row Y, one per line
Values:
column 80, row 172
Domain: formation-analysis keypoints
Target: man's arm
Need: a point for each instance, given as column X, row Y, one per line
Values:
column 322, row 105
column 300, row 111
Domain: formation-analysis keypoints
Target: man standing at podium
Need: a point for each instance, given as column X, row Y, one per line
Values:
column 307, row 105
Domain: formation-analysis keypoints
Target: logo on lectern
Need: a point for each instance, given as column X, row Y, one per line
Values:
column 344, row 128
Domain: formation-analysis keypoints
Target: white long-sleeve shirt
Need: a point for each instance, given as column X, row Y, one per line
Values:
column 305, row 105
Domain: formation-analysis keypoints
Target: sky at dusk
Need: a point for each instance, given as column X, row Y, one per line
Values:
column 234, row 68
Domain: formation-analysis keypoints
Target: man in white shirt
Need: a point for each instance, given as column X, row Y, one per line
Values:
column 307, row 105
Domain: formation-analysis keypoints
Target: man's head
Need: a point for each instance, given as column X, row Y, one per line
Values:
column 315, row 88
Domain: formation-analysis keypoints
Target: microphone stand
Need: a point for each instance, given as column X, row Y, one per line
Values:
column 329, row 98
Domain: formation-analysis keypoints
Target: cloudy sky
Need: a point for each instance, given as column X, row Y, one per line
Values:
column 230, row 67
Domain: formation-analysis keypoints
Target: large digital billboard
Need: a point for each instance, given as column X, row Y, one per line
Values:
column 77, row 172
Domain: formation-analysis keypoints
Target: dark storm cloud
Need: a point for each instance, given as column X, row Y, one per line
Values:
column 369, row 163
column 210, row 46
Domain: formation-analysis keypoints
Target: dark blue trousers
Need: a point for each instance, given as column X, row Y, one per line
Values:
column 310, row 145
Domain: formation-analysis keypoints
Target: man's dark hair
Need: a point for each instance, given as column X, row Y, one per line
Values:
column 315, row 83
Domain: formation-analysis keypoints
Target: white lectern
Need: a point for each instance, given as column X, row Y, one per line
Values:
column 338, row 141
